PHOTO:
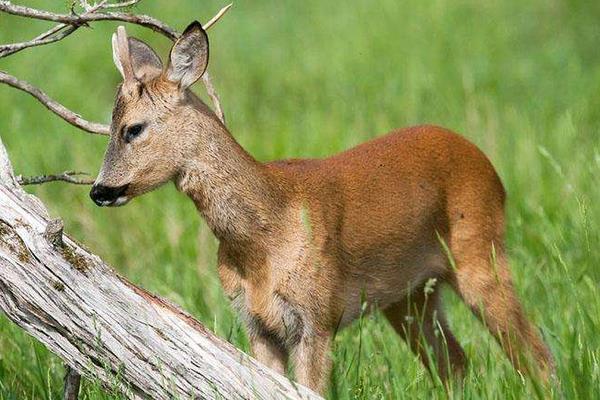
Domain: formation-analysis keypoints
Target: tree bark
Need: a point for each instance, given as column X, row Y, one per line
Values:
column 106, row 328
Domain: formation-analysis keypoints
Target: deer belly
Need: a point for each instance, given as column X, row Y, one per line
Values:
column 377, row 282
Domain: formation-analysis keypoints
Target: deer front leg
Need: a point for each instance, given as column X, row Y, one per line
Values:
column 312, row 361
column 269, row 353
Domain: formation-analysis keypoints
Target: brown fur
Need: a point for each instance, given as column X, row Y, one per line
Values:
column 304, row 242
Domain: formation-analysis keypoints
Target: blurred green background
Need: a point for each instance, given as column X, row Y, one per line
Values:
column 521, row 79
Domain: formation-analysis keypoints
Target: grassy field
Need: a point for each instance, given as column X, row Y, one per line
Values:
column 309, row 79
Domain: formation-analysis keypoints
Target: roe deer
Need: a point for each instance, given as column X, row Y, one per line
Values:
column 304, row 242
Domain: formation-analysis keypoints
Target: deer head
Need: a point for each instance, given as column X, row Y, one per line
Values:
column 151, row 129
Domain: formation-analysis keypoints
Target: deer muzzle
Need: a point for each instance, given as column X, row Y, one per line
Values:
column 109, row 196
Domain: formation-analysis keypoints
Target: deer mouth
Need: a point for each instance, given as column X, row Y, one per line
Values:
column 108, row 196
column 120, row 201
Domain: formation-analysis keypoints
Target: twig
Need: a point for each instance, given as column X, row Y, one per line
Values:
column 122, row 4
column 210, row 89
column 55, row 34
column 54, row 106
column 78, row 20
column 58, row 32
column 89, row 8
column 212, row 93
column 47, row 37
column 217, row 17
column 67, row 176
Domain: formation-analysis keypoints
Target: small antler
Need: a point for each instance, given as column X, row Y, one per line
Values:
column 123, row 54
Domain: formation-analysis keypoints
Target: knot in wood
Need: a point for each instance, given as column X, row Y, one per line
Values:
column 54, row 232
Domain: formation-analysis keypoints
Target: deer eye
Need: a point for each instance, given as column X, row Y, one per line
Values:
column 132, row 131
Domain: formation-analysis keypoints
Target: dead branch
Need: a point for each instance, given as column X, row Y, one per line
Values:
column 67, row 176
column 69, row 23
column 83, row 19
column 54, row 34
column 212, row 93
column 217, row 17
column 106, row 328
column 123, row 4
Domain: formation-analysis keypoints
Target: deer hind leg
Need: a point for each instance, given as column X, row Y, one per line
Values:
column 482, row 279
column 421, row 322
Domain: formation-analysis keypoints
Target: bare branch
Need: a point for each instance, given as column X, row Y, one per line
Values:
column 217, row 16
column 56, row 33
column 54, row 106
column 67, row 176
column 90, row 8
column 122, row 4
column 210, row 89
column 79, row 20
column 212, row 93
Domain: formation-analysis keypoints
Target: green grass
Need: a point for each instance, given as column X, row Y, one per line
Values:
column 311, row 78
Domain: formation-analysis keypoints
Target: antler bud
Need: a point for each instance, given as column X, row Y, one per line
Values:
column 123, row 53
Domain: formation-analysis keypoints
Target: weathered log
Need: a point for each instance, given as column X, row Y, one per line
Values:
column 106, row 328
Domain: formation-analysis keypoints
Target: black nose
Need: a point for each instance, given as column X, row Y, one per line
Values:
column 106, row 195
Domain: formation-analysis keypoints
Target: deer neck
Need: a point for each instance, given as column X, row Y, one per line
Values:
column 235, row 193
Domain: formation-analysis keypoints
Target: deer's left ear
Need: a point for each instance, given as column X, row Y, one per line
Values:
column 146, row 64
column 189, row 56
column 134, row 59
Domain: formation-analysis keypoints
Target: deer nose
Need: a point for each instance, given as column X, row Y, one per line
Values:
column 106, row 195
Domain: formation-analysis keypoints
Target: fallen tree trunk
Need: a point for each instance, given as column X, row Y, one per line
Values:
column 106, row 328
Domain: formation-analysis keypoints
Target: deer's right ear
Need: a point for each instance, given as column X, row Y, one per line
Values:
column 189, row 56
